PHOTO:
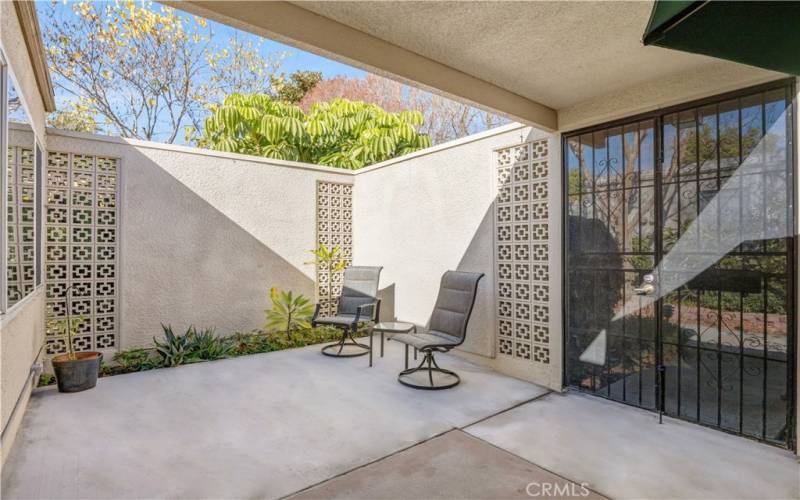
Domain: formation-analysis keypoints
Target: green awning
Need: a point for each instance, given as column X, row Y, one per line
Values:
column 763, row 34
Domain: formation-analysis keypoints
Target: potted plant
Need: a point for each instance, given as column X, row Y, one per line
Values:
column 75, row 371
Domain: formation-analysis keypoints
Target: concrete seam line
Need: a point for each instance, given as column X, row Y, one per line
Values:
column 358, row 467
column 513, row 407
column 532, row 463
column 414, row 445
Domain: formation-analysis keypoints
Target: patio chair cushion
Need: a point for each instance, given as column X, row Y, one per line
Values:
column 426, row 340
column 359, row 288
column 338, row 320
column 454, row 303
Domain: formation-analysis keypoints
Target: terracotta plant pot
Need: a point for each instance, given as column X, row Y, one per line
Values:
column 79, row 374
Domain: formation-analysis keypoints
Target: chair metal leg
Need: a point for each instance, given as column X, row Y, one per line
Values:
column 432, row 367
column 381, row 343
column 341, row 344
column 371, row 334
column 406, row 356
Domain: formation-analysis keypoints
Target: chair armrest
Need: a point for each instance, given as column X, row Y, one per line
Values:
column 315, row 315
column 367, row 311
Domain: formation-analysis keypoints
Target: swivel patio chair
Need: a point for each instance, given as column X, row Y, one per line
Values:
column 358, row 304
column 447, row 328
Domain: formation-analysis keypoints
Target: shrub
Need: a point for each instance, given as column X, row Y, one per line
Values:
column 174, row 348
column 191, row 347
column 135, row 360
column 289, row 312
column 46, row 379
column 249, row 343
column 196, row 346
column 206, row 346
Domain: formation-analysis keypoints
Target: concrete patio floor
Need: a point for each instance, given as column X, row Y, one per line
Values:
column 261, row 426
column 296, row 422
column 622, row 452
column 453, row 465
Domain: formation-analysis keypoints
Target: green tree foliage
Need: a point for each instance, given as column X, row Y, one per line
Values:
column 74, row 117
column 147, row 71
column 295, row 87
column 338, row 133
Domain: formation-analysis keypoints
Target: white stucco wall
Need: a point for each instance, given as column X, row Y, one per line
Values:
column 203, row 235
column 21, row 340
column 20, row 68
column 420, row 215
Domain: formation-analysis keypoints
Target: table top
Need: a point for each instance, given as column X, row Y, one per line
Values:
column 394, row 326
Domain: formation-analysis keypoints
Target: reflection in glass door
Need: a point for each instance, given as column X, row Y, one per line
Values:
column 679, row 263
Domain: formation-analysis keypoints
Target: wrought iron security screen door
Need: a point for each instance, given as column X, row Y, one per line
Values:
column 680, row 263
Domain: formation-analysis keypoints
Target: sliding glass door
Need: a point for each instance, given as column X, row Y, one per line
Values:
column 680, row 262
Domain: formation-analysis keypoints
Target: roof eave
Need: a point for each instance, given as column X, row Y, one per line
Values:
column 29, row 22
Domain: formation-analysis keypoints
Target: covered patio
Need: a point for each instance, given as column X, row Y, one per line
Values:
column 272, row 425
column 152, row 235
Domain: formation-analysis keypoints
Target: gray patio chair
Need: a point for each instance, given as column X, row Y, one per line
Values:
column 447, row 328
column 357, row 304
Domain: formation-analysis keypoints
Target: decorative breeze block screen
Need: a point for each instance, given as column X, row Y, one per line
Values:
column 21, row 223
column 522, row 251
column 81, row 248
column 334, row 228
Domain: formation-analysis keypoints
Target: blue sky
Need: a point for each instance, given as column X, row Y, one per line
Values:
column 294, row 60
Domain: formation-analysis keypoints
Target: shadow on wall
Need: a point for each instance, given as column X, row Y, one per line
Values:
column 477, row 256
column 387, row 303
column 183, row 262
column 595, row 284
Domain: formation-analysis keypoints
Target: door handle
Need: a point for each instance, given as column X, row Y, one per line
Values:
column 647, row 287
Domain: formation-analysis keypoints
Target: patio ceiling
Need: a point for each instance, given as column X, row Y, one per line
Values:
column 526, row 60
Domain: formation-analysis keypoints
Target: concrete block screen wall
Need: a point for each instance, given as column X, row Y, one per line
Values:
column 201, row 236
column 204, row 235
column 436, row 210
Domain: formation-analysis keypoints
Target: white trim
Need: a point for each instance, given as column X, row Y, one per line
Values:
column 138, row 143
column 6, row 76
column 18, row 306
column 444, row 146
column 39, row 193
column 119, row 256
column 3, row 181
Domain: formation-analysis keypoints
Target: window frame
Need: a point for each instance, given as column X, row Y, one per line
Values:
column 6, row 76
column 4, row 182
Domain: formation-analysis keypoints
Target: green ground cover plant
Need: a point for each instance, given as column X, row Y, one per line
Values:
column 199, row 345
